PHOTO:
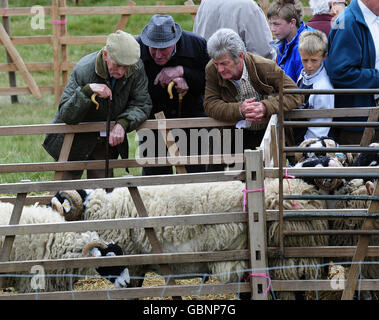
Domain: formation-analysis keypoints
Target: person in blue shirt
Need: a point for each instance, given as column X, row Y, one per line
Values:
column 285, row 23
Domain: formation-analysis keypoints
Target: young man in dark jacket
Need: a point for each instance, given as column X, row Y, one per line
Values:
column 117, row 73
column 172, row 54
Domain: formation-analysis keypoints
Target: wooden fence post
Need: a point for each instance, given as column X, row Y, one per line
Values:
column 7, row 27
column 361, row 250
column 63, row 32
column 4, row 37
column 368, row 133
column 170, row 142
column 6, row 250
column 124, row 18
column 151, row 235
column 190, row 3
column 65, row 152
column 257, row 223
column 55, row 43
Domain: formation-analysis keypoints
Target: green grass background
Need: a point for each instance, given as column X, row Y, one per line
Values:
column 26, row 149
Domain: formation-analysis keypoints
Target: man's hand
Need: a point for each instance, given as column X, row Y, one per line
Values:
column 253, row 111
column 168, row 74
column 117, row 135
column 181, row 85
column 101, row 89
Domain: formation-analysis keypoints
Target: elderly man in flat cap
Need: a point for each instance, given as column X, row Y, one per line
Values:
column 172, row 54
column 116, row 72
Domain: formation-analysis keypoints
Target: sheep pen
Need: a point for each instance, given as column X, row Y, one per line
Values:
column 45, row 246
column 198, row 198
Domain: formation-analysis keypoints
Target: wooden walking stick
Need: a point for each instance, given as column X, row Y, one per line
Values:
column 108, row 125
column 180, row 97
column 107, row 140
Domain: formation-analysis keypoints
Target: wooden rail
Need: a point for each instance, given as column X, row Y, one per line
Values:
column 146, row 222
column 254, row 175
column 369, row 223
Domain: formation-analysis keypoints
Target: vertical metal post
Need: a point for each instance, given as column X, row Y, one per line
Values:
column 281, row 156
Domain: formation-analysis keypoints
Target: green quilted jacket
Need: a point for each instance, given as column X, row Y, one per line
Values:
column 131, row 105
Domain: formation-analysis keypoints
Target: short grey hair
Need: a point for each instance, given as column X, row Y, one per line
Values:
column 225, row 42
column 320, row 6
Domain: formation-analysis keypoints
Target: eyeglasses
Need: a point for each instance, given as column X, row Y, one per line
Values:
column 341, row 2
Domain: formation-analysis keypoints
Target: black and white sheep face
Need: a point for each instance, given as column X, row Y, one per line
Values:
column 118, row 275
column 70, row 203
column 322, row 142
column 322, row 183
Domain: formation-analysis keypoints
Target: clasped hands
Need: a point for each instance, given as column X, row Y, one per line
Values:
column 117, row 134
column 168, row 74
column 252, row 110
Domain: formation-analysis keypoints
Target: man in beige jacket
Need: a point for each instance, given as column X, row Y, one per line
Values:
column 239, row 87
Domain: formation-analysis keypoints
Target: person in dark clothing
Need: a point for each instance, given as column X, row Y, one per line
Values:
column 172, row 54
column 115, row 72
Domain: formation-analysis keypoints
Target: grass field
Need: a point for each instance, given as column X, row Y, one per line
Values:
column 25, row 149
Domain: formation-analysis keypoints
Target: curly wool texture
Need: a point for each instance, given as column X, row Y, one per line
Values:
column 353, row 187
column 294, row 268
column 44, row 246
column 206, row 198
column 177, row 200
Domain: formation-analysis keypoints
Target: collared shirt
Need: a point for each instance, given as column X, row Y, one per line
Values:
column 245, row 90
column 372, row 21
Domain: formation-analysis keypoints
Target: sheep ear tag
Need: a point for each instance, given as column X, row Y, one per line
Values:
column 66, row 205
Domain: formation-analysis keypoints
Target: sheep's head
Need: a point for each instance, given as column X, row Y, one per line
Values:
column 118, row 275
column 322, row 183
column 69, row 204
column 322, row 142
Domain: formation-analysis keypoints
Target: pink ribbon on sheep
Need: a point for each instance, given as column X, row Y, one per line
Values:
column 286, row 176
column 264, row 275
column 245, row 191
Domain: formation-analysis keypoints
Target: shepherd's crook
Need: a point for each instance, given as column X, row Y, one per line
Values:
column 180, row 97
column 93, row 99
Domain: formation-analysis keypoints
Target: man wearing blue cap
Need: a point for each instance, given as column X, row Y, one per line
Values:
column 172, row 54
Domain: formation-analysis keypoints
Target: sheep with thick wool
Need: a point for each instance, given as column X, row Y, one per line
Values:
column 294, row 268
column 177, row 200
column 45, row 246
column 354, row 187
column 206, row 198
